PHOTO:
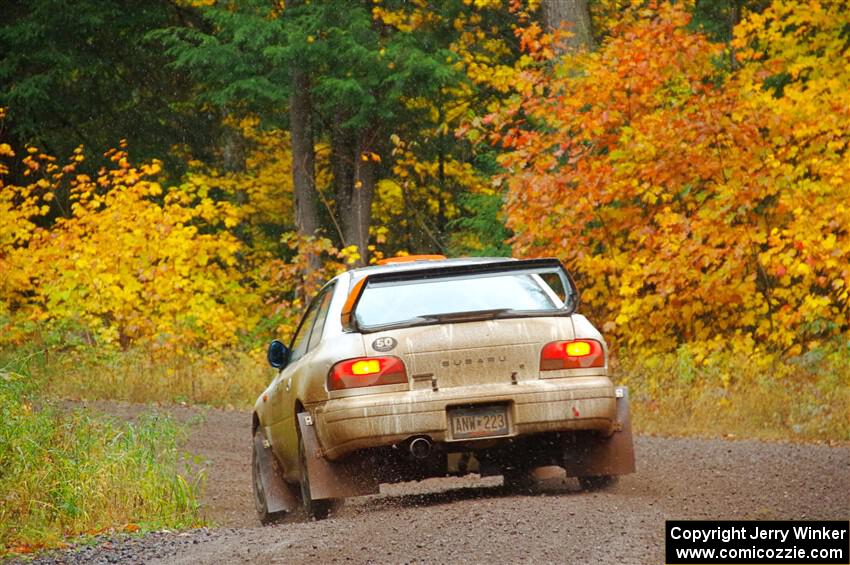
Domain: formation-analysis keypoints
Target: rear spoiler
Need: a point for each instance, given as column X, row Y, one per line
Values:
column 349, row 322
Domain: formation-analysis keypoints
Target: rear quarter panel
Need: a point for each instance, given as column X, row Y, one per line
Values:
column 307, row 387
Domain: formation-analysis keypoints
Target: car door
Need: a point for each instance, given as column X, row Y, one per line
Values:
column 303, row 343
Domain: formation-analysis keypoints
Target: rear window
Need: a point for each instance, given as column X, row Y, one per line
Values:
column 400, row 302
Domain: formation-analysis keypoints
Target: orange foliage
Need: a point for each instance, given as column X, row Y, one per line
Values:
column 693, row 207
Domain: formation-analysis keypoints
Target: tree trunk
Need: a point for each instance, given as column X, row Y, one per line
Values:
column 735, row 9
column 574, row 16
column 232, row 149
column 354, row 179
column 342, row 166
column 354, row 172
column 363, row 191
column 303, row 162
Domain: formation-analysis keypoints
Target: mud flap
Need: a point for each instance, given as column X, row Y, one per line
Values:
column 333, row 479
column 595, row 456
column 279, row 495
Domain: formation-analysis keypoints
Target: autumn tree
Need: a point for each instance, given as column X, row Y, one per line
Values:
column 439, row 196
column 182, row 268
column 694, row 207
column 354, row 76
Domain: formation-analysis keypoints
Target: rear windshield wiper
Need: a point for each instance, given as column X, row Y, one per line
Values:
column 473, row 316
column 467, row 316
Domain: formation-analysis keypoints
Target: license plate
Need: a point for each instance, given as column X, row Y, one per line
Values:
column 478, row 421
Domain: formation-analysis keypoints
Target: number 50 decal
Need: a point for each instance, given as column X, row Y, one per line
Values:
column 384, row 344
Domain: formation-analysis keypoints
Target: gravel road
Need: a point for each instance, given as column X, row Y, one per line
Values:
column 476, row 520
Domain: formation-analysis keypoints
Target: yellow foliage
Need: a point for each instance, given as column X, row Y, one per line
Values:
column 131, row 261
column 263, row 189
column 121, row 263
column 419, row 191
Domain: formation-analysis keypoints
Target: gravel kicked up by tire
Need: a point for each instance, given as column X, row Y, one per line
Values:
column 477, row 520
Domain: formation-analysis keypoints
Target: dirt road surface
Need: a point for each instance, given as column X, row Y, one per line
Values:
column 475, row 520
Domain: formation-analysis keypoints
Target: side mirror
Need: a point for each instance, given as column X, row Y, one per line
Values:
column 278, row 354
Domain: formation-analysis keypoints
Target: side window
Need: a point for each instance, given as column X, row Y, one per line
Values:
column 321, row 317
column 315, row 317
column 302, row 337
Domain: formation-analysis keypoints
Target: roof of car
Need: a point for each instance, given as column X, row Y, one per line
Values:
column 357, row 274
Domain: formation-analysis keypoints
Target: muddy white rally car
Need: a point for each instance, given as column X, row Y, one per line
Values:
column 427, row 367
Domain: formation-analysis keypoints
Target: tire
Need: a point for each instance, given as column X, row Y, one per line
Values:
column 517, row 480
column 315, row 509
column 596, row 483
column 263, row 513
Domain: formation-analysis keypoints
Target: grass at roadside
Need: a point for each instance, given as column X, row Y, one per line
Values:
column 806, row 397
column 63, row 474
column 732, row 395
column 231, row 380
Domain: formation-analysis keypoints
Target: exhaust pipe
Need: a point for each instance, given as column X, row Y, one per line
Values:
column 420, row 447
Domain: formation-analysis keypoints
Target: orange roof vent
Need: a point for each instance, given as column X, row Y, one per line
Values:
column 410, row 259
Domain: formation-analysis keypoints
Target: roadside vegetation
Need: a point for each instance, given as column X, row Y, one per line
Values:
column 230, row 379
column 735, row 395
column 687, row 161
column 801, row 398
column 69, row 473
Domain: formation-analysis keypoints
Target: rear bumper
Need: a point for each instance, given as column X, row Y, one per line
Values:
column 348, row 424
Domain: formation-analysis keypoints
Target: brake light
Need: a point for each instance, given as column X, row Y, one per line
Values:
column 366, row 371
column 575, row 354
column 578, row 349
column 366, row 367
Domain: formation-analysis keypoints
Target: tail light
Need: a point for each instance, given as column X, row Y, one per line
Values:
column 366, row 371
column 575, row 354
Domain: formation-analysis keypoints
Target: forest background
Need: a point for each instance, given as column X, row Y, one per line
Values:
column 177, row 177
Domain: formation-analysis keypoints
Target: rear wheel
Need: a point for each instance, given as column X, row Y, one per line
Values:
column 518, row 479
column 260, row 503
column 315, row 509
